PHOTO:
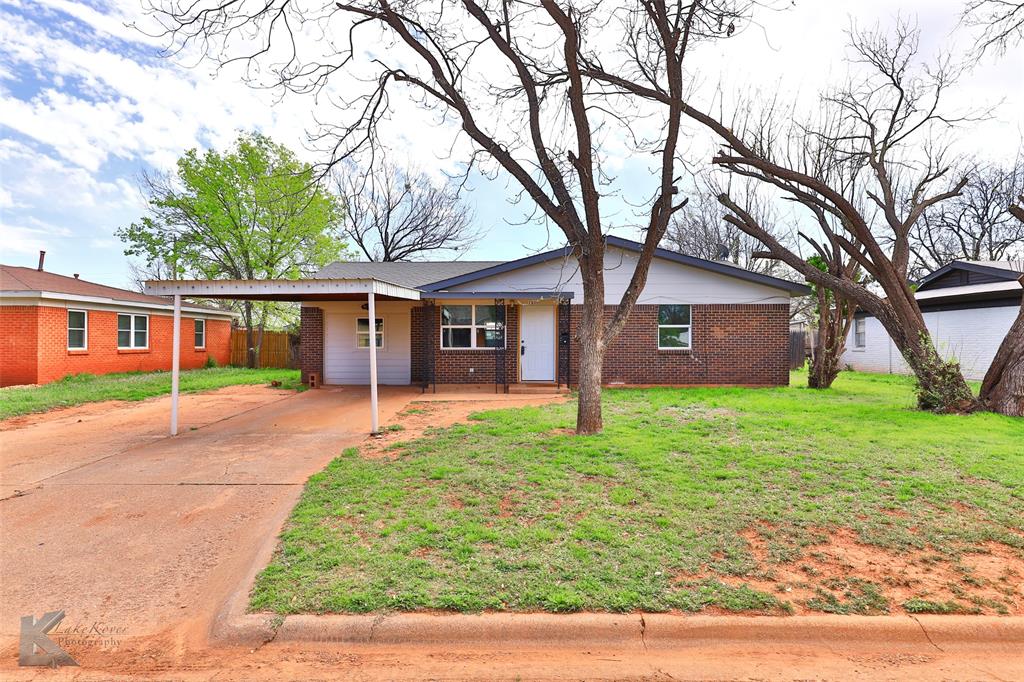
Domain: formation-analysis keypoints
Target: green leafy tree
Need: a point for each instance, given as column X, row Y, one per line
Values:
column 254, row 211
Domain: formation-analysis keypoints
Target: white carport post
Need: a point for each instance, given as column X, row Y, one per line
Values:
column 175, row 364
column 370, row 304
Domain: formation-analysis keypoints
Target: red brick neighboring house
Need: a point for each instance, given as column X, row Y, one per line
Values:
column 52, row 326
column 697, row 322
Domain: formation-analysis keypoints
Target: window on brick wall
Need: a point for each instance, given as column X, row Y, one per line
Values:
column 860, row 332
column 674, row 327
column 78, row 325
column 200, row 334
column 471, row 326
column 132, row 331
column 363, row 332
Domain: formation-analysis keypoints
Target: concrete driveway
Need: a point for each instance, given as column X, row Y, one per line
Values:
column 107, row 518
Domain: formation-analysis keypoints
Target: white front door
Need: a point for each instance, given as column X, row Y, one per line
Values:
column 537, row 343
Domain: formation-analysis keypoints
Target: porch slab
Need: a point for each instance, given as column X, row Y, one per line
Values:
column 477, row 392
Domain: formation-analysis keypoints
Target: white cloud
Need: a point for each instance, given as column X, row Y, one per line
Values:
column 31, row 238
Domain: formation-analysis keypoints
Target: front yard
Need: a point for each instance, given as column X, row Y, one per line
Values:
column 88, row 388
column 779, row 501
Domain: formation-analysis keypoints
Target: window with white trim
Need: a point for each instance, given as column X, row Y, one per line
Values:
column 363, row 332
column 471, row 326
column 860, row 337
column 674, row 327
column 78, row 329
column 200, row 334
column 132, row 331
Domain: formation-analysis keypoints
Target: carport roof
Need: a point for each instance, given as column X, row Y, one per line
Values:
column 324, row 289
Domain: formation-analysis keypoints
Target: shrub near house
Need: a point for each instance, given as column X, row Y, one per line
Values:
column 52, row 326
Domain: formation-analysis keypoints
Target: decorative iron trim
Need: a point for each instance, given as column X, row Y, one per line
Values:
column 564, row 341
column 430, row 330
column 501, row 351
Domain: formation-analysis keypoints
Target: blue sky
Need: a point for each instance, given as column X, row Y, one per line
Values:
column 86, row 103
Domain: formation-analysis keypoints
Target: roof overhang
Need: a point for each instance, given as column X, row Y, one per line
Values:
column 968, row 290
column 295, row 290
column 510, row 295
column 70, row 300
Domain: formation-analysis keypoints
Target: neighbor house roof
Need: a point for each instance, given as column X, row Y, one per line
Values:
column 991, row 270
column 15, row 280
column 967, row 284
column 415, row 274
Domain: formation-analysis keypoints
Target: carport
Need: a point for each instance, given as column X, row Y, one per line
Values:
column 292, row 291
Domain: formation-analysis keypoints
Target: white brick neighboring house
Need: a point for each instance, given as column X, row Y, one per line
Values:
column 968, row 307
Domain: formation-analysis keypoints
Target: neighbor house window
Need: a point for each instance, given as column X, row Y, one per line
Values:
column 363, row 332
column 200, row 334
column 471, row 326
column 859, row 332
column 673, row 327
column 78, row 324
column 132, row 331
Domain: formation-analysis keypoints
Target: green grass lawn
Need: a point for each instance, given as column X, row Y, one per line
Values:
column 88, row 388
column 691, row 499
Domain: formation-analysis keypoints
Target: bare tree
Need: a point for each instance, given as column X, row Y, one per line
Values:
column 139, row 272
column 1001, row 23
column 835, row 314
column 888, row 127
column 517, row 79
column 976, row 225
column 394, row 215
column 701, row 230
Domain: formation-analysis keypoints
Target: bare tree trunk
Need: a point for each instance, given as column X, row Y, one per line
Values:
column 941, row 386
column 259, row 343
column 1002, row 390
column 592, row 347
column 833, row 327
column 250, row 340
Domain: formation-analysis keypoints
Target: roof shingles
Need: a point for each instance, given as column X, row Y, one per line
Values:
column 18, row 279
column 414, row 274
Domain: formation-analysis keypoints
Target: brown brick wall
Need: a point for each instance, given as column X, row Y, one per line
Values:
column 52, row 359
column 311, row 342
column 452, row 366
column 732, row 344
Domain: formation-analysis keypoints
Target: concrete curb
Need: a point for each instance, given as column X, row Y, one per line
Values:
column 630, row 631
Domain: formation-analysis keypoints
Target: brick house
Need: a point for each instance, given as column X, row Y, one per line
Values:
column 697, row 322
column 52, row 326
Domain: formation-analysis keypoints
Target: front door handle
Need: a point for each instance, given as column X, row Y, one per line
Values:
column 522, row 348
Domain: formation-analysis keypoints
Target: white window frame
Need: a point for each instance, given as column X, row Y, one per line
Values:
column 196, row 321
column 381, row 334
column 131, row 332
column 84, row 328
column 687, row 327
column 860, row 333
column 472, row 327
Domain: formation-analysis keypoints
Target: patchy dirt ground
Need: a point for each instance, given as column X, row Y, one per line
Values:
column 419, row 417
column 843, row 575
column 117, row 516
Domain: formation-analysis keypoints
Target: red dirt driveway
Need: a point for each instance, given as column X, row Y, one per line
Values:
column 107, row 518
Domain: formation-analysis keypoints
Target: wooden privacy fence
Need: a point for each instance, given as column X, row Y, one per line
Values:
column 278, row 349
column 797, row 349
